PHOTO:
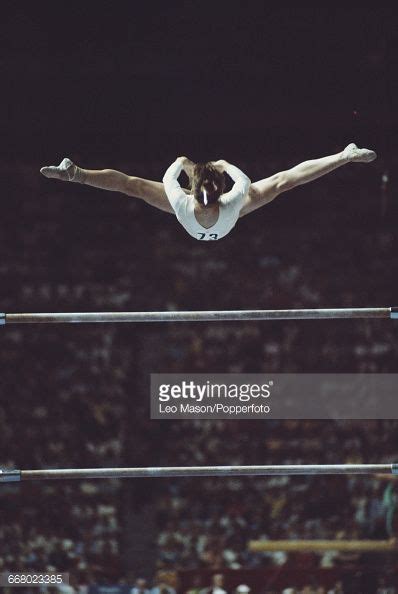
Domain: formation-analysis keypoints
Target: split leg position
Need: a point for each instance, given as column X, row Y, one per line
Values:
column 260, row 193
column 264, row 191
column 151, row 192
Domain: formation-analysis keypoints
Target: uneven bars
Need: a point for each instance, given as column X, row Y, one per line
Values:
column 187, row 471
column 262, row 546
column 199, row 316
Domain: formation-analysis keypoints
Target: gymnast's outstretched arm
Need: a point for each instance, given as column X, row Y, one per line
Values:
column 266, row 190
column 150, row 191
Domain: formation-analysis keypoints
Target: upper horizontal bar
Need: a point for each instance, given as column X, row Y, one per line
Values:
column 177, row 471
column 200, row 316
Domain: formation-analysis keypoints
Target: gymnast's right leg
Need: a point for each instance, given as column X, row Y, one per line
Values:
column 109, row 179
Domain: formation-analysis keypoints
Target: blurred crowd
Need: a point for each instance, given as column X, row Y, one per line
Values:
column 213, row 530
column 78, row 396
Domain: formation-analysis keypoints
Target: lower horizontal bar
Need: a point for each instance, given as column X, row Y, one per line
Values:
column 10, row 476
column 187, row 471
column 199, row 316
column 262, row 546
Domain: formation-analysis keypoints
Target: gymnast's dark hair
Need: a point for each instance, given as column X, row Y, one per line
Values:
column 205, row 177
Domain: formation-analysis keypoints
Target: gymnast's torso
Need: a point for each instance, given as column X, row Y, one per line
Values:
column 229, row 205
column 228, row 214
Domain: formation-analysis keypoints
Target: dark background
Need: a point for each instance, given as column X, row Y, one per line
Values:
column 139, row 79
column 131, row 86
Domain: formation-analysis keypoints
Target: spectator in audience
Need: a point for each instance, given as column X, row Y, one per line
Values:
column 217, row 585
column 140, row 587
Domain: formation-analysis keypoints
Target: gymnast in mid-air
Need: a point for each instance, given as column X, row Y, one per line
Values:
column 205, row 211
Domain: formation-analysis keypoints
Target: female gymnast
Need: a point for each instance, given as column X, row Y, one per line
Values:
column 205, row 211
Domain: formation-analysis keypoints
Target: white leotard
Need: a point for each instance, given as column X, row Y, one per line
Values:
column 183, row 204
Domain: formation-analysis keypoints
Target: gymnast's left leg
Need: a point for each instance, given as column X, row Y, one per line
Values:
column 264, row 191
column 150, row 191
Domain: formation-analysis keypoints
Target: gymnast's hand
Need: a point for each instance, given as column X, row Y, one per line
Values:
column 187, row 165
column 219, row 165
